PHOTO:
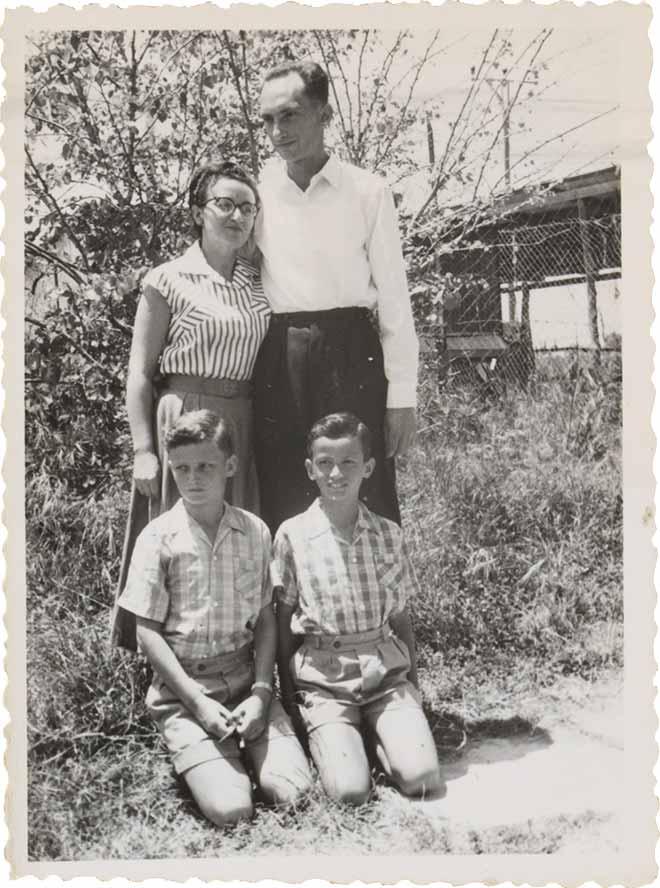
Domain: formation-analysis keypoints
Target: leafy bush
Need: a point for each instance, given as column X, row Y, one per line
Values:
column 76, row 363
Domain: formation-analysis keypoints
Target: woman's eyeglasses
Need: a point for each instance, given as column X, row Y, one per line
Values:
column 226, row 206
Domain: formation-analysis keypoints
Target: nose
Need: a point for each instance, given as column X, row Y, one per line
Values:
column 236, row 212
column 335, row 471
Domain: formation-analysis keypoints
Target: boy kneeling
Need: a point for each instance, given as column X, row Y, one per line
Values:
column 199, row 587
column 344, row 579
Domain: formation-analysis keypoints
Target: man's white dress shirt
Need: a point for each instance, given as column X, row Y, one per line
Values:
column 337, row 245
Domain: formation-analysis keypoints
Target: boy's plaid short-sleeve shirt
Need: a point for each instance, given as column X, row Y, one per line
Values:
column 337, row 587
column 207, row 595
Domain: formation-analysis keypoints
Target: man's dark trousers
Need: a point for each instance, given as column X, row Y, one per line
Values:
column 311, row 364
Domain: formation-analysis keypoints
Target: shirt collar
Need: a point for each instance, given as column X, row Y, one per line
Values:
column 231, row 520
column 318, row 522
column 193, row 261
column 329, row 172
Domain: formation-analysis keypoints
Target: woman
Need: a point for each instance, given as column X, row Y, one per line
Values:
column 199, row 324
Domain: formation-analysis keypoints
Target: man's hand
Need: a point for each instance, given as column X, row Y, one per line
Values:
column 250, row 717
column 146, row 469
column 214, row 717
column 400, row 425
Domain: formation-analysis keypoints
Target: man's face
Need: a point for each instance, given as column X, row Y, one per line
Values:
column 201, row 472
column 293, row 121
column 338, row 467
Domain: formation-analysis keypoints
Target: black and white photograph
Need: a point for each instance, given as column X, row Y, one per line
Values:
column 330, row 343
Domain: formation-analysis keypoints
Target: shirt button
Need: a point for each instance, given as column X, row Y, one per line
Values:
column 336, row 644
column 201, row 667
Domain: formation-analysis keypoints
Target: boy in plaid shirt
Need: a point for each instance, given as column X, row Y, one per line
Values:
column 200, row 589
column 343, row 580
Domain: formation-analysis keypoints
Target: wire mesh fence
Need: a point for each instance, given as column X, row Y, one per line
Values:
column 519, row 300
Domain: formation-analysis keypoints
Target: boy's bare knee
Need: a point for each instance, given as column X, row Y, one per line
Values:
column 349, row 791
column 424, row 784
column 281, row 789
column 226, row 812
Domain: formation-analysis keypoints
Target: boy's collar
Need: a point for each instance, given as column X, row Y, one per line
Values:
column 230, row 517
column 318, row 522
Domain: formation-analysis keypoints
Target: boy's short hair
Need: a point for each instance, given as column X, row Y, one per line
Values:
column 312, row 75
column 340, row 425
column 199, row 426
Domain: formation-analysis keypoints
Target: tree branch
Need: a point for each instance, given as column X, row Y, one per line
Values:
column 49, row 200
column 254, row 160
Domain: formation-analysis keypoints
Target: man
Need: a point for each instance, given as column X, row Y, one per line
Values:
column 331, row 256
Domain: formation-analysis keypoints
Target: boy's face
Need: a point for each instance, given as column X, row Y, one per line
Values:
column 201, row 472
column 338, row 467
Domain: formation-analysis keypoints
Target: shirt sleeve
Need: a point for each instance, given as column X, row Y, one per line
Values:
column 397, row 328
column 145, row 594
column 283, row 570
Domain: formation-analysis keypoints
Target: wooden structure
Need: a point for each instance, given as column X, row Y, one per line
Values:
column 566, row 233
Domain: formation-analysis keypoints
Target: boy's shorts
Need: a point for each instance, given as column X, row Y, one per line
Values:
column 227, row 679
column 346, row 679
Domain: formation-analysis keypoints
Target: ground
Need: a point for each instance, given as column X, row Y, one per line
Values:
column 541, row 776
column 561, row 777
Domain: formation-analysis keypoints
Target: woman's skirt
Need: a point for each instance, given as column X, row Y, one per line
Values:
column 229, row 399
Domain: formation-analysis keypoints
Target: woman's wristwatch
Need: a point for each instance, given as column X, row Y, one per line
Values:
column 262, row 685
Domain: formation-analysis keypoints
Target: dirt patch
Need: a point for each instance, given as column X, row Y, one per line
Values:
column 568, row 766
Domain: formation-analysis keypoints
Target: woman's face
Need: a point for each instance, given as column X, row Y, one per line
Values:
column 227, row 214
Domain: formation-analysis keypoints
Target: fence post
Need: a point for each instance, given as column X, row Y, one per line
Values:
column 592, row 294
column 512, row 292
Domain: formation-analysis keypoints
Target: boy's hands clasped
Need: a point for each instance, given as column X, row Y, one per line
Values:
column 215, row 718
column 248, row 719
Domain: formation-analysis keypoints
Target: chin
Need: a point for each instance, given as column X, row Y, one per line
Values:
column 336, row 494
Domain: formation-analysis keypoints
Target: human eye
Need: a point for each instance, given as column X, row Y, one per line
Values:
column 224, row 204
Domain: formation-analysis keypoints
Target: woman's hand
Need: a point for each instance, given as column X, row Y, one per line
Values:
column 146, row 472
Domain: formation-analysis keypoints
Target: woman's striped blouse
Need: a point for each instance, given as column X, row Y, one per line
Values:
column 216, row 325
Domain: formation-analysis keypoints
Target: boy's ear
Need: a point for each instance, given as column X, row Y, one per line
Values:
column 369, row 467
column 231, row 466
column 310, row 469
column 197, row 213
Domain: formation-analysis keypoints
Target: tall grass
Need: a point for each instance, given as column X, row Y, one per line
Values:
column 513, row 511
column 512, row 508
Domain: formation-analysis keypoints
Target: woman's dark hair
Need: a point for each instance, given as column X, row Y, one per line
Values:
column 340, row 425
column 311, row 74
column 206, row 175
column 199, row 426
